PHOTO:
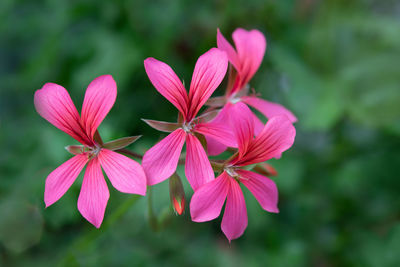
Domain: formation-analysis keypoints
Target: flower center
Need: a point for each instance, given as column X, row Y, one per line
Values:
column 188, row 126
column 230, row 170
column 234, row 99
column 94, row 151
column 237, row 97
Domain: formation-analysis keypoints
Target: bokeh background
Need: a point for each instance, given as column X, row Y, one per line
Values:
column 334, row 63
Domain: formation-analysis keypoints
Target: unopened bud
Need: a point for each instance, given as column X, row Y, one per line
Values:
column 76, row 150
column 177, row 193
column 265, row 169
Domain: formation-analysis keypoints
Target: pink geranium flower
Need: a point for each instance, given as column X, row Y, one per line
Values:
column 206, row 204
column 246, row 59
column 54, row 104
column 161, row 160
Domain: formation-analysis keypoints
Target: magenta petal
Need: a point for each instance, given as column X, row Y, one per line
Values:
column 258, row 125
column 224, row 45
column 234, row 221
column 208, row 73
column 125, row 174
column 214, row 147
column 269, row 109
column 197, row 166
column 54, row 104
column 263, row 189
column 276, row 137
column 99, row 99
column 160, row 161
column 61, row 179
column 167, row 83
column 250, row 47
column 219, row 132
column 94, row 194
column 207, row 201
column 242, row 124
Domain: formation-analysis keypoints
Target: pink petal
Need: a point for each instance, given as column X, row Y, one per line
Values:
column 160, row 161
column 125, row 174
column 197, row 166
column 242, row 124
column 94, row 194
column 258, row 125
column 234, row 221
column 61, row 179
column 263, row 189
column 250, row 47
column 208, row 73
column 214, row 147
column 224, row 45
column 276, row 137
column 219, row 132
column 269, row 109
column 99, row 99
column 167, row 83
column 207, row 201
column 54, row 104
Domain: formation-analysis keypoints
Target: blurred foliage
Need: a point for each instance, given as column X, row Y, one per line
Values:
column 335, row 63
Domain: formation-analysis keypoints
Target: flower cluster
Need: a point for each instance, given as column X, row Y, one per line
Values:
column 227, row 122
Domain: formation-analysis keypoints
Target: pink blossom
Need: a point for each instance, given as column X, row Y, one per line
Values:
column 161, row 160
column 54, row 104
column 276, row 137
column 246, row 59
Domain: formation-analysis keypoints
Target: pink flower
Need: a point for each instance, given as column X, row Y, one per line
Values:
column 54, row 104
column 161, row 160
column 206, row 204
column 246, row 59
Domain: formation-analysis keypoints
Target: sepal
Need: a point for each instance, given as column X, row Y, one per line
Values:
column 163, row 126
column 265, row 169
column 121, row 142
column 218, row 101
column 208, row 116
column 75, row 150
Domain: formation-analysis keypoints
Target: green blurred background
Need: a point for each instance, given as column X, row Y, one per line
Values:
column 334, row 63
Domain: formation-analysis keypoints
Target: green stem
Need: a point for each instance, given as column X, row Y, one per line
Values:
column 153, row 222
column 84, row 241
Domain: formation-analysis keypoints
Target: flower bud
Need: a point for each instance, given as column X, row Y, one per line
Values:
column 177, row 193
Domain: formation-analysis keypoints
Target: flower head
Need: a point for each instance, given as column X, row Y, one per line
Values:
column 206, row 204
column 245, row 58
column 161, row 160
column 54, row 104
